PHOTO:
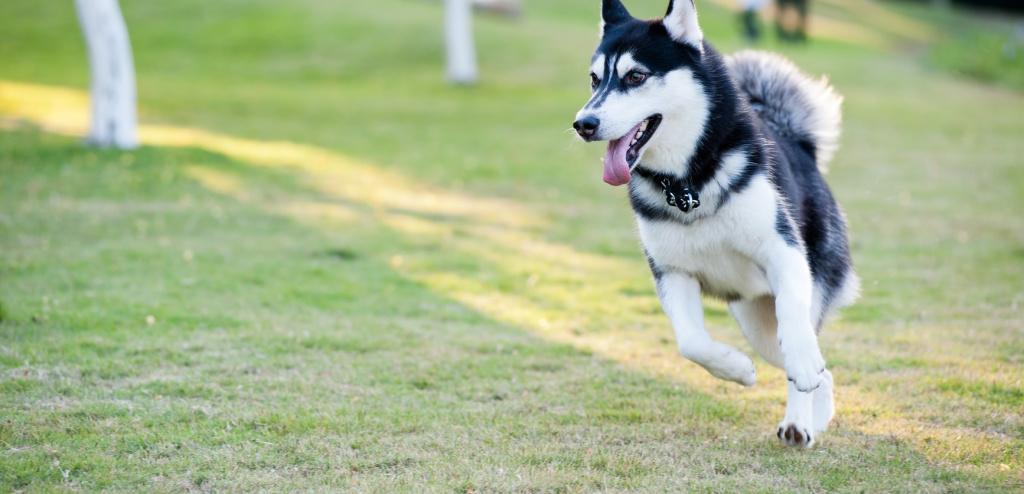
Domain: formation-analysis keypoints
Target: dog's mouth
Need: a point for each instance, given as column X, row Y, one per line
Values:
column 624, row 152
column 641, row 136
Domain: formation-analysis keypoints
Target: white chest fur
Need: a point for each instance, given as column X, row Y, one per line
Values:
column 718, row 250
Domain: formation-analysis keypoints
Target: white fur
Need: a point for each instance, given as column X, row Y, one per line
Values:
column 680, row 296
column 681, row 23
column 626, row 63
column 620, row 112
column 684, row 108
column 737, row 250
column 732, row 247
column 757, row 321
column 597, row 66
column 793, row 103
column 677, row 96
column 824, row 409
column 719, row 249
column 790, row 278
column 797, row 426
column 848, row 293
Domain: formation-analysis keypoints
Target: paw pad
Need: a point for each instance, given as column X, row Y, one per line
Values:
column 794, row 436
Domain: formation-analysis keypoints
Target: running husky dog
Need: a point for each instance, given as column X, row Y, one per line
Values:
column 724, row 160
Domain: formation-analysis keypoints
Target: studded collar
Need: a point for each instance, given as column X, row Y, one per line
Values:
column 678, row 192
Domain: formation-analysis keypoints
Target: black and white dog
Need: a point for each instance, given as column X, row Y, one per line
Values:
column 724, row 159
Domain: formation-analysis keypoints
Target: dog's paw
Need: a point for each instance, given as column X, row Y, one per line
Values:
column 795, row 435
column 805, row 368
column 732, row 365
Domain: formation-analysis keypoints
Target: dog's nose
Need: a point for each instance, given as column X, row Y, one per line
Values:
column 586, row 127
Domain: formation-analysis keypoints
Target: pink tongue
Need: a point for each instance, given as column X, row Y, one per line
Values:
column 616, row 169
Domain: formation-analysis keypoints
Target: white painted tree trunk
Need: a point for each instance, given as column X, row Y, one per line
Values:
column 458, row 29
column 112, row 74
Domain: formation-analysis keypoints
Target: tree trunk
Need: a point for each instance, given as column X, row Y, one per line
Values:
column 111, row 72
column 458, row 29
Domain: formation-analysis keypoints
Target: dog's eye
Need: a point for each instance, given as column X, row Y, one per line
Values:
column 635, row 78
column 594, row 81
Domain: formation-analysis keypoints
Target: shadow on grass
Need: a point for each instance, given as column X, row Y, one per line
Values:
column 476, row 271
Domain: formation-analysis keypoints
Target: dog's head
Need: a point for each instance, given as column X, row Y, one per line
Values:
column 645, row 80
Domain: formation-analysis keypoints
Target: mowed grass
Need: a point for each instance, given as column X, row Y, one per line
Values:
column 328, row 270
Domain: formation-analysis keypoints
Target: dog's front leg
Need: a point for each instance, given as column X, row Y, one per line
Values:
column 680, row 297
column 790, row 278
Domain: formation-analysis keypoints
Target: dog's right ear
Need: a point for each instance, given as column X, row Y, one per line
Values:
column 612, row 13
column 681, row 23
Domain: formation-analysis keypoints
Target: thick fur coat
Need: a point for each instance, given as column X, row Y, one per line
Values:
column 724, row 158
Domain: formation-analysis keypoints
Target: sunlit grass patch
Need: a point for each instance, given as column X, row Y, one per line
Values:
column 1011, row 395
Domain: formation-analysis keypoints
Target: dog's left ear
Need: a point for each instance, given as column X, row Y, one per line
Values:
column 681, row 22
column 612, row 13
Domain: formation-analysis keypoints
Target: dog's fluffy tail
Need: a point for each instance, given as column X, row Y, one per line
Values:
column 792, row 103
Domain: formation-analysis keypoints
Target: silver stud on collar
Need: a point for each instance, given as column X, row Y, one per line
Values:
column 681, row 196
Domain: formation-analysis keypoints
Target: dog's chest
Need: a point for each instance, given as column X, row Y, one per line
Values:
column 710, row 252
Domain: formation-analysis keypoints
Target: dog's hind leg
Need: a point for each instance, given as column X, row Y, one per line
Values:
column 824, row 408
column 757, row 320
column 680, row 297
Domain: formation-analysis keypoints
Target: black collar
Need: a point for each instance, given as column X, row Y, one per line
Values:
column 678, row 192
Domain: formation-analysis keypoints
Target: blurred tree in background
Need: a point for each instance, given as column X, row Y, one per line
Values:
column 1015, row 5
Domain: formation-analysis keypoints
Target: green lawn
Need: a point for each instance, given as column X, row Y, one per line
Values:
column 328, row 270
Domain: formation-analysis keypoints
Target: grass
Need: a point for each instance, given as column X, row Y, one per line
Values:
column 996, row 56
column 326, row 269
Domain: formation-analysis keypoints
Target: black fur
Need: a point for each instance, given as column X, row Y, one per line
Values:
column 613, row 12
column 811, row 206
column 655, row 270
column 648, row 211
column 784, row 226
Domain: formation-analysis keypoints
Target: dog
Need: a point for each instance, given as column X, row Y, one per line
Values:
column 724, row 158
